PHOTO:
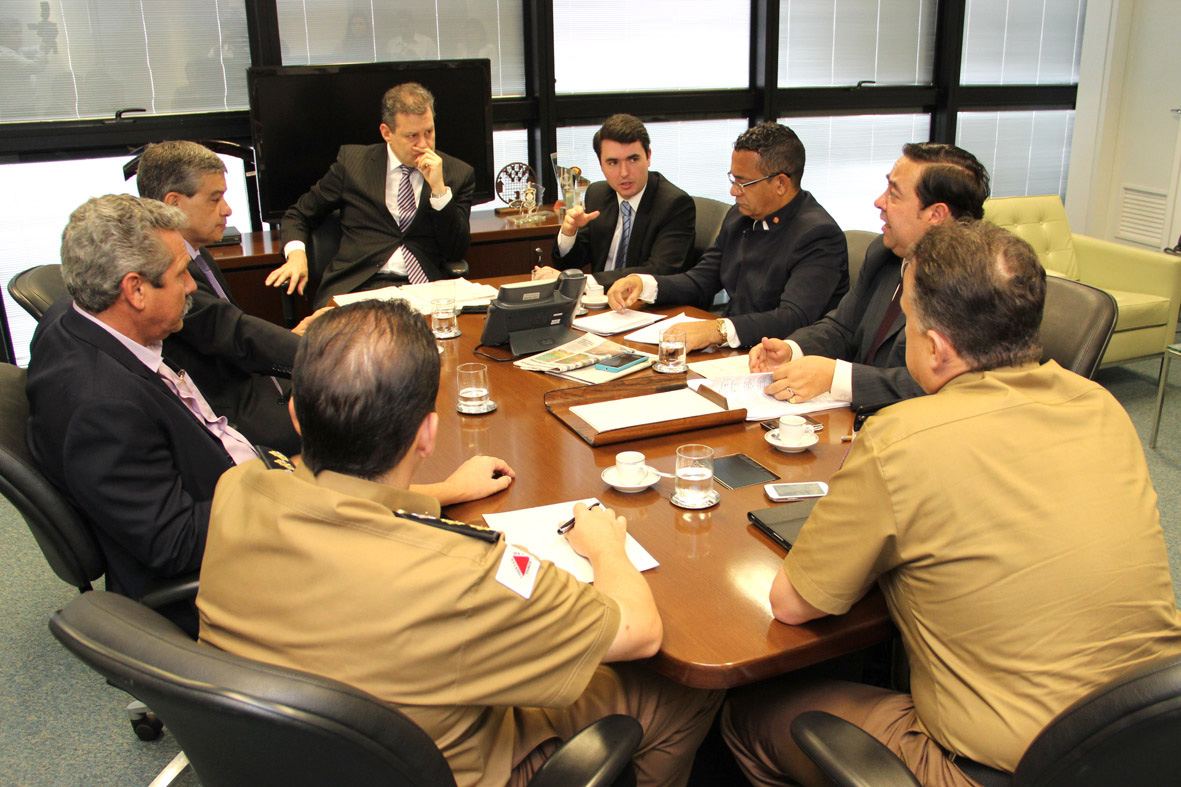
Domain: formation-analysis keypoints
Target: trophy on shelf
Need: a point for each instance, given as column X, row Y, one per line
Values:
column 571, row 183
column 517, row 187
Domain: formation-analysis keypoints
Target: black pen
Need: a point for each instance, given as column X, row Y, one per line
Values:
column 568, row 525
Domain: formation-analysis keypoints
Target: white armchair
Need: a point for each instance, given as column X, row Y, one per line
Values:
column 1146, row 285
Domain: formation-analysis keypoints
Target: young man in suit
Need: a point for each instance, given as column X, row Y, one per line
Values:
column 635, row 221
column 237, row 360
column 404, row 206
column 779, row 255
column 858, row 350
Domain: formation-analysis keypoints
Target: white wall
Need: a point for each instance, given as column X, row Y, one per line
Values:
column 1125, row 133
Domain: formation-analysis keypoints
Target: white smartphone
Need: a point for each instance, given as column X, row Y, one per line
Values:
column 780, row 492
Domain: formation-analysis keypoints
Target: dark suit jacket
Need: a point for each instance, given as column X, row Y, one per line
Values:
column 779, row 279
column 109, row 433
column 661, row 239
column 355, row 185
column 847, row 332
column 232, row 357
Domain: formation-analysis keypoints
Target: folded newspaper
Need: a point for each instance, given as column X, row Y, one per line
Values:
column 587, row 350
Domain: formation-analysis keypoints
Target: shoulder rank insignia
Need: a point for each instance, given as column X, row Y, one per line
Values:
column 276, row 460
column 482, row 532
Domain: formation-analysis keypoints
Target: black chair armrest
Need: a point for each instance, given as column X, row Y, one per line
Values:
column 453, row 270
column 847, row 754
column 598, row 756
column 171, row 591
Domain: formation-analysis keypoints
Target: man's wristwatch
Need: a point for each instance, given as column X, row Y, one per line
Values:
column 725, row 342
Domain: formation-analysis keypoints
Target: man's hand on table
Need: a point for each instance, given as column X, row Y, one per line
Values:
column 597, row 533
column 701, row 334
column 768, row 355
column 478, row 477
column 625, row 292
column 802, row 379
column 306, row 322
column 293, row 273
column 545, row 272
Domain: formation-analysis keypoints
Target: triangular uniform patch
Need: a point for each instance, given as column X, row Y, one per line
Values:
column 518, row 571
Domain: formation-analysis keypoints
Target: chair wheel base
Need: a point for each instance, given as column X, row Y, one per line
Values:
column 147, row 727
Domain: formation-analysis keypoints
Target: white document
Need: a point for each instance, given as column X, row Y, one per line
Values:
column 536, row 529
column 612, row 322
column 722, row 367
column 649, row 409
column 746, row 390
column 419, row 296
column 651, row 334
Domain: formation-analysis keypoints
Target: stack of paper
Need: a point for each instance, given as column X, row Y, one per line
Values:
column 651, row 334
column 612, row 322
column 419, row 296
column 536, row 530
column 642, row 410
column 746, row 390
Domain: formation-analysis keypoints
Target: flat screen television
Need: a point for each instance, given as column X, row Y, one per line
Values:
column 301, row 115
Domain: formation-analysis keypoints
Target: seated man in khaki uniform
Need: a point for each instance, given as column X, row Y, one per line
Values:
column 342, row 568
column 1008, row 518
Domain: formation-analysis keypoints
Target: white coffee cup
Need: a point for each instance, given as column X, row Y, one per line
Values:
column 594, row 290
column 793, row 429
column 630, row 469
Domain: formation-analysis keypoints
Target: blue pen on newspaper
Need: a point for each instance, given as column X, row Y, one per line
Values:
column 568, row 525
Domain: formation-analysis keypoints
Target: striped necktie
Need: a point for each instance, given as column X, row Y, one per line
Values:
column 407, row 206
column 620, row 261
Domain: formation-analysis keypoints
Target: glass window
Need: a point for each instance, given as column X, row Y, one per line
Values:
column 37, row 201
column 508, row 147
column 848, row 158
column 70, row 59
column 1036, row 42
column 1025, row 152
column 347, row 31
column 654, row 45
column 695, row 155
column 824, row 43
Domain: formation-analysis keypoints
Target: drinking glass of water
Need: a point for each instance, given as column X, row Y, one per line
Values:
column 694, row 483
column 472, row 379
column 444, row 324
column 670, row 352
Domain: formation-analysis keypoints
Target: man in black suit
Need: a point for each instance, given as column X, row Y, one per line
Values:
column 858, row 350
column 131, row 441
column 235, row 358
column 779, row 255
column 656, row 234
column 404, row 207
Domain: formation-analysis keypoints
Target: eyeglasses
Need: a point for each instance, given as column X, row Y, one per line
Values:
column 742, row 186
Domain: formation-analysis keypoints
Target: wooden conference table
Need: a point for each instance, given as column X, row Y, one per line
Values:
column 715, row 568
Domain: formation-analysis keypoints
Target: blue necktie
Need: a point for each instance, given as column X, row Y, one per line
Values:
column 620, row 260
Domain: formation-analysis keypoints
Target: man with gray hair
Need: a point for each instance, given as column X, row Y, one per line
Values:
column 404, row 207
column 779, row 255
column 130, row 440
column 235, row 358
column 1008, row 518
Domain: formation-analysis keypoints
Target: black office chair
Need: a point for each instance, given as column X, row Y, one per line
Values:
column 1076, row 325
column 64, row 537
column 1124, row 733
column 241, row 721
column 710, row 213
column 321, row 247
column 858, row 242
column 37, row 288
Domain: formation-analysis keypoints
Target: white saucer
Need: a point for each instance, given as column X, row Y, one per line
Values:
column 772, row 437
column 594, row 303
column 712, row 500
column 610, row 480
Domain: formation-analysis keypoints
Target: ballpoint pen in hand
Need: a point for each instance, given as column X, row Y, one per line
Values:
column 568, row 525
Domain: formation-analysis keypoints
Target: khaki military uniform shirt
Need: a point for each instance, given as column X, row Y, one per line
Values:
column 318, row 573
column 1011, row 523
